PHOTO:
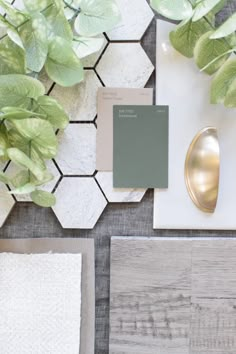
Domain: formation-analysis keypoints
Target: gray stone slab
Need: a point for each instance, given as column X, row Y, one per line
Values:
column 86, row 248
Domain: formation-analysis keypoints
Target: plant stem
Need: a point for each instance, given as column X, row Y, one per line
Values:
column 70, row 7
column 217, row 58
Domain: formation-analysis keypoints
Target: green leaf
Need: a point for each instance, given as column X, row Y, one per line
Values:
column 12, row 58
column 11, row 31
column 62, row 65
column 40, row 134
column 20, row 179
column 84, row 46
column 215, row 51
column 34, row 37
column 37, row 5
column 24, row 189
column 230, row 99
column 52, row 111
column 18, row 90
column 14, row 16
column 18, row 113
column 226, row 29
column 174, row 10
column 57, row 24
column 22, row 160
column 96, row 16
column 185, row 37
column 3, row 178
column 222, row 81
column 43, row 199
column 203, row 8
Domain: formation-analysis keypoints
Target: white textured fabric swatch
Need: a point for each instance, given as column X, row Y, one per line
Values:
column 40, row 303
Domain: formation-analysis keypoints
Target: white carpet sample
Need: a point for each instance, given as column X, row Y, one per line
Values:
column 40, row 303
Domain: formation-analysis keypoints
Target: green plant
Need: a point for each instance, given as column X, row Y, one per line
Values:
column 212, row 48
column 42, row 34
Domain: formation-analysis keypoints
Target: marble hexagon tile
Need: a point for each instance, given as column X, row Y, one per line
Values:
column 77, row 149
column 80, row 202
column 136, row 17
column 79, row 101
column 115, row 195
column 49, row 187
column 125, row 65
column 6, row 203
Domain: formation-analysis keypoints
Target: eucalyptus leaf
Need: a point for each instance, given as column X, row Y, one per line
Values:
column 19, row 113
column 222, row 81
column 174, row 10
column 84, row 46
column 40, row 134
column 34, row 37
column 18, row 90
column 63, row 66
column 52, row 111
column 185, row 37
column 25, row 189
column 12, row 58
column 20, row 179
column 203, row 8
column 37, row 5
column 96, row 16
column 230, row 99
column 11, row 31
column 57, row 24
column 226, row 29
column 22, row 160
column 4, row 178
column 14, row 16
column 43, row 199
column 215, row 51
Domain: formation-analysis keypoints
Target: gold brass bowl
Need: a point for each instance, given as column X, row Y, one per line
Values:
column 202, row 169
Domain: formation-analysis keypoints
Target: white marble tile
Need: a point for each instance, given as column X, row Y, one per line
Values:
column 12, row 170
column 136, row 16
column 125, row 65
column 91, row 60
column 6, row 203
column 79, row 202
column 115, row 195
column 77, row 149
column 79, row 101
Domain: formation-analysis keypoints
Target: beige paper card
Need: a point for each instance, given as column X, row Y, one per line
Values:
column 107, row 98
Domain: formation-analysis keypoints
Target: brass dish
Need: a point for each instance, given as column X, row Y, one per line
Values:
column 202, row 169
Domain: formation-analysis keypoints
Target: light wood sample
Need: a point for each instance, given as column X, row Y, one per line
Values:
column 173, row 296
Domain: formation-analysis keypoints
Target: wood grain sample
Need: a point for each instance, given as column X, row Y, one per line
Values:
column 172, row 296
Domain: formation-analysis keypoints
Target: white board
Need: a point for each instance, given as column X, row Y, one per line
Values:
column 187, row 91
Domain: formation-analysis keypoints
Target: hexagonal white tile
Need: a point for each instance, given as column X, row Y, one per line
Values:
column 77, row 149
column 136, row 17
column 6, row 203
column 125, row 65
column 91, row 60
column 79, row 101
column 79, row 202
column 13, row 169
column 115, row 195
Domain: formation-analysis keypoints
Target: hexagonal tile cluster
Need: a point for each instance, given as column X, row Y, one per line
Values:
column 82, row 192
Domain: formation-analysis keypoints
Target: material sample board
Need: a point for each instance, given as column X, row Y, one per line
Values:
column 172, row 296
column 107, row 98
column 140, row 146
column 186, row 90
column 40, row 303
column 58, row 245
